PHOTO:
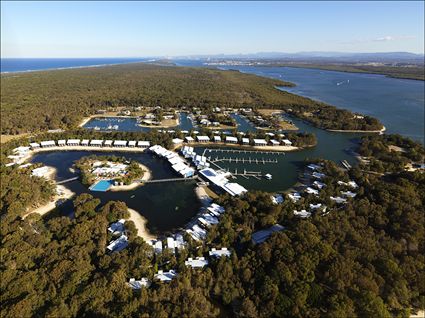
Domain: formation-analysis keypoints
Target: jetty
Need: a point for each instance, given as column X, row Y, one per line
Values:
column 242, row 151
column 67, row 180
column 243, row 160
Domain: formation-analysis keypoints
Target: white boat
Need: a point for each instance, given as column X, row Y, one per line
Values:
column 115, row 127
column 268, row 176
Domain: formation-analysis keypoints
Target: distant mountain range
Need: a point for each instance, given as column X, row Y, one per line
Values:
column 335, row 56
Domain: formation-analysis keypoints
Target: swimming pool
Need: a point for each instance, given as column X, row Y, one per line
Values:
column 102, row 185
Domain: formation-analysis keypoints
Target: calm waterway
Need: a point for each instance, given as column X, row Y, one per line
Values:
column 330, row 145
column 163, row 212
column 130, row 124
column 397, row 103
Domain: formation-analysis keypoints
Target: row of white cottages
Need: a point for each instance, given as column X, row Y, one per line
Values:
column 235, row 140
column 93, row 143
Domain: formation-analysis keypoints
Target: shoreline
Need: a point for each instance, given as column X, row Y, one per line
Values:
column 140, row 223
column 62, row 193
column 222, row 144
column 359, row 131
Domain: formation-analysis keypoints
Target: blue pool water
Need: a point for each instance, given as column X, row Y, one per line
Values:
column 102, row 185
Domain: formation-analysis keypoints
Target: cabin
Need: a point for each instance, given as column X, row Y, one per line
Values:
column 118, row 244
column 171, row 245
column 231, row 140
column 73, row 142
column 166, row 276
column 260, row 142
column 132, row 143
column 117, row 227
column 198, row 262
column 245, row 141
column 217, row 139
column 108, row 143
column 177, row 141
column 189, row 139
column 96, row 143
column 263, row 235
column 47, row 144
column 34, row 145
column 219, row 253
column 286, row 142
column 120, row 143
column 143, row 144
column 302, row 214
column 85, row 142
column 274, row 142
column 203, row 138
column 138, row 284
column 62, row 143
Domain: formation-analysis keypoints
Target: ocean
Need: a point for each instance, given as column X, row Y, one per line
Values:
column 12, row 65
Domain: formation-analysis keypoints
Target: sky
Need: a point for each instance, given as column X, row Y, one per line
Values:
column 143, row 29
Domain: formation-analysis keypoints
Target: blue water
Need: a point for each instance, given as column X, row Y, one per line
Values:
column 28, row 64
column 102, row 185
column 130, row 124
column 397, row 103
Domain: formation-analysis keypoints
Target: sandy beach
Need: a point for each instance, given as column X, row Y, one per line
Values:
column 64, row 194
column 140, row 223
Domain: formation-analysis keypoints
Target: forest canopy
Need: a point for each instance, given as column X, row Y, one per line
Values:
column 39, row 101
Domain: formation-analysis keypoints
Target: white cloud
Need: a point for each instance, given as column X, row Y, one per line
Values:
column 393, row 38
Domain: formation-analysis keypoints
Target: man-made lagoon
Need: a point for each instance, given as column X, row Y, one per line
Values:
column 166, row 206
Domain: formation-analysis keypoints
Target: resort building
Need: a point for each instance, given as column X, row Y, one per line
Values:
column 120, row 143
column 73, row 142
column 263, row 235
column 302, row 214
column 85, row 142
column 231, row 140
column 198, row 262
column 313, row 166
column 311, row 191
column 348, row 194
column 260, row 142
column 295, row 196
column 318, row 175
column 217, row 139
column 48, row 143
column 319, row 184
column 132, row 143
column 219, row 253
column 245, row 141
column 171, row 245
column 62, row 143
column 287, row 142
column 189, row 139
column 117, row 227
column 338, row 200
column 34, row 145
column 177, row 141
column 138, row 284
column 108, row 143
column 274, row 142
column 166, row 276
column 96, row 143
column 277, row 198
column 203, row 138
column 118, row 244
column 219, row 180
column 143, row 144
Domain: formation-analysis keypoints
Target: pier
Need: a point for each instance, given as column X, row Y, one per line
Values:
column 243, row 160
column 168, row 180
column 248, row 174
column 242, row 151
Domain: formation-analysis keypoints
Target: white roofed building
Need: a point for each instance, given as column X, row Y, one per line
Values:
column 73, row 142
column 132, row 143
column 85, row 142
column 198, row 262
column 231, row 140
column 120, row 143
column 108, row 143
column 245, row 141
column 143, row 144
column 217, row 139
column 219, row 253
column 203, row 138
column 260, row 142
column 96, row 143
column 48, row 143
column 61, row 142
column 189, row 139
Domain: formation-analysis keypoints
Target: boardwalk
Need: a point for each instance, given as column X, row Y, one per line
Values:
column 168, row 180
column 67, row 180
column 243, row 160
column 241, row 151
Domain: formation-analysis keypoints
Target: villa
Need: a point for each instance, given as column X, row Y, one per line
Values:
column 48, row 143
column 302, row 214
column 203, row 138
column 118, row 244
column 138, row 284
column 263, row 235
column 198, row 262
column 219, row 253
column 260, row 142
column 96, row 143
column 231, row 140
column 73, row 142
column 166, row 276
column 217, row 139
